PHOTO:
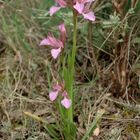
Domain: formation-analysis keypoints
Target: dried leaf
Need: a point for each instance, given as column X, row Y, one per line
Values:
column 96, row 131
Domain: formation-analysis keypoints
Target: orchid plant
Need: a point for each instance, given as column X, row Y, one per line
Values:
column 65, row 89
column 81, row 6
column 59, row 89
column 56, row 44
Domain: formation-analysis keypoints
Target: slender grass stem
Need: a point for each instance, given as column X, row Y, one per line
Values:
column 71, row 65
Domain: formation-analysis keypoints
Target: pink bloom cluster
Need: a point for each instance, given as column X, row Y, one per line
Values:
column 56, row 44
column 81, row 6
column 59, row 89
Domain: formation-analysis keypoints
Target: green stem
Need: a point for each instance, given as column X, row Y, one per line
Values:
column 72, row 68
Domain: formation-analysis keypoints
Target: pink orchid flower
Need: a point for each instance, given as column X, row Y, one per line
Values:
column 66, row 102
column 54, row 93
column 82, row 7
column 57, row 89
column 60, row 3
column 56, row 44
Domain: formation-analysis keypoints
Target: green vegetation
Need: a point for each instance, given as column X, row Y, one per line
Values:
column 106, row 79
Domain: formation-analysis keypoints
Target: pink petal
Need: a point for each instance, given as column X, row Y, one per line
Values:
column 52, row 41
column 85, row 1
column 62, row 28
column 64, row 94
column 66, row 102
column 90, row 16
column 62, row 3
column 44, row 42
column 55, row 52
column 57, row 87
column 56, row 43
column 63, row 33
column 54, row 9
column 79, row 7
column 53, row 95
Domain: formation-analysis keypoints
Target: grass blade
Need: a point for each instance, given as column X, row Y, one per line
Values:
column 93, row 125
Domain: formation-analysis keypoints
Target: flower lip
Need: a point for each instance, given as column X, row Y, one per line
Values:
column 53, row 95
column 66, row 102
column 55, row 52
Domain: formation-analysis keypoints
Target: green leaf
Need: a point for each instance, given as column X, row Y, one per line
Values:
column 70, row 133
column 114, row 21
column 51, row 130
column 137, row 7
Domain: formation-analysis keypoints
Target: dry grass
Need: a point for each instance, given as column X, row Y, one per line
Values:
column 26, row 73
